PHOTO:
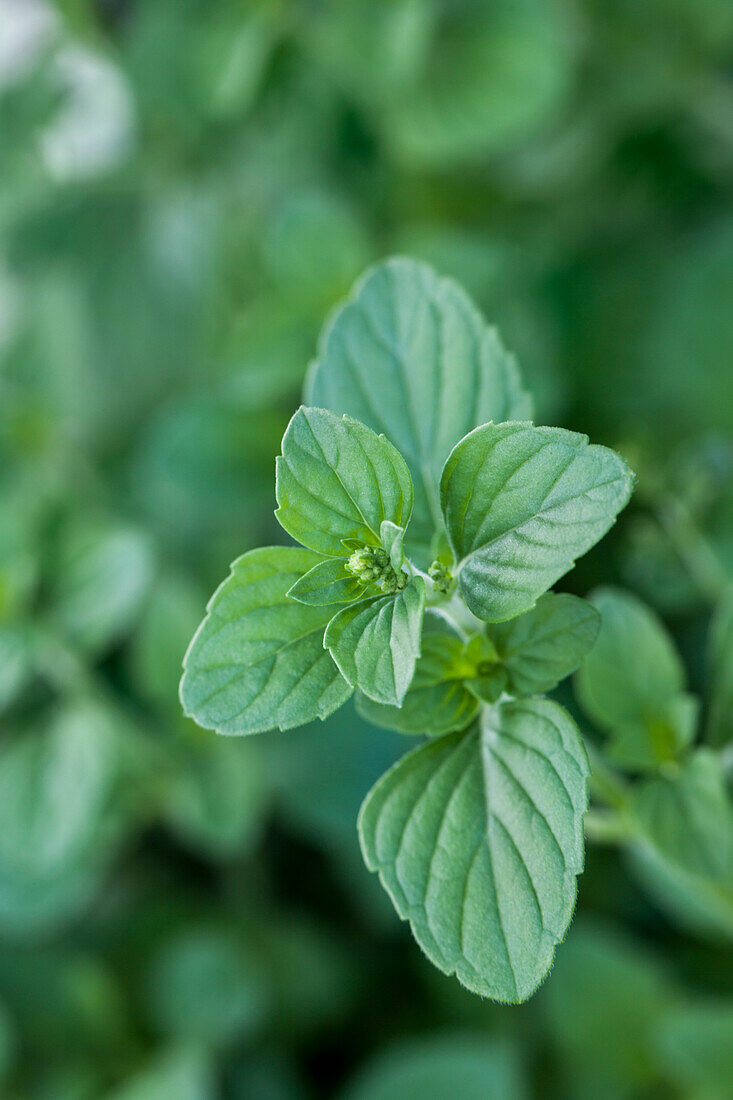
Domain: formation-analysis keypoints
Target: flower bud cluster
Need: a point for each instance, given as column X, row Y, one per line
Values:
column 440, row 576
column 371, row 566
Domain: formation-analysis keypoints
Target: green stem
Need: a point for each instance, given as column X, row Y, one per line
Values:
column 607, row 827
column 605, row 782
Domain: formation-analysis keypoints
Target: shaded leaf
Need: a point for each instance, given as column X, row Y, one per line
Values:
column 437, row 700
column 541, row 647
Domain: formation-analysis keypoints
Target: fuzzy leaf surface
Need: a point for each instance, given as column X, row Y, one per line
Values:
column 336, row 479
column 437, row 700
column 376, row 644
column 478, row 838
column 410, row 355
column 257, row 661
column 521, row 504
column 541, row 647
column 633, row 668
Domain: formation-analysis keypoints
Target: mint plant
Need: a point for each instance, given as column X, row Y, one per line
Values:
column 432, row 517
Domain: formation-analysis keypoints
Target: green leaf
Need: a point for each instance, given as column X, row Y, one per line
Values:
column 720, row 711
column 184, row 1073
column 410, row 355
column 257, row 661
column 541, row 647
column 203, row 986
column 605, row 999
column 101, row 576
column 56, row 787
column 216, row 800
column 326, row 584
column 695, row 1043
column 632, row 677
column 688, row 816
column 478, row 838
column 376, row 645
column 392, row 538
column 437, row 701
column 520, row 505
column 489, row 686
column 337, row 480
column 440, row 1066
column 641, row 745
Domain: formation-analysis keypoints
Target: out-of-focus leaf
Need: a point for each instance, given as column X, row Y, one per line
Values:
column 100, row 578
column 201, row 987
column 16, row 664
column 632, row 684
column 55, row 787
column 490, row 79
column 440, row 1067
column 216, row 796
column 166, row 626
column 186, row 1074
column 695, row 1045
column 692, row 902
column 688, row 816
column 719, row 730
column 603, row 1005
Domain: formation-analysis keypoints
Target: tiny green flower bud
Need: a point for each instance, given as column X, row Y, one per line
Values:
column 440, row 576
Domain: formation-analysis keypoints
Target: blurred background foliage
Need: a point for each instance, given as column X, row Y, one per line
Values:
column 187, row 187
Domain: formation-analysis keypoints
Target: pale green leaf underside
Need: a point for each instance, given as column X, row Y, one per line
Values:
column 521, row 504
column 410, row 355
column 633, row 669
column 376, row 644
column 336, row 479
column 478, row 838
column 541, row 647
column 257, row 661
column 437, row 700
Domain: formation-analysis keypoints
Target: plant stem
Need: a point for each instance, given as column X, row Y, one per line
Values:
column 607, row 827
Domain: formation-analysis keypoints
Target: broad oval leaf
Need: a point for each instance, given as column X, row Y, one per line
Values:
column 410, row 355
column 336, row 480
column 257, row 661
column 633, row 669
column 520, row 505
column 376, row 644
column 478, row 838
column 541, row 647
column 437, row 700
